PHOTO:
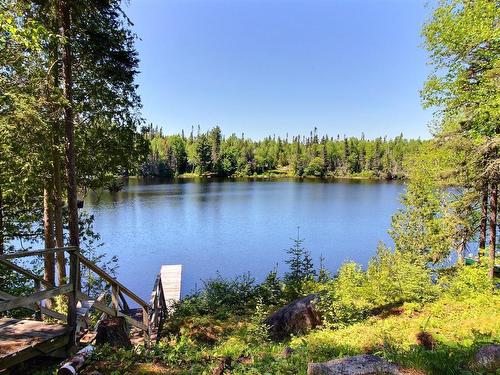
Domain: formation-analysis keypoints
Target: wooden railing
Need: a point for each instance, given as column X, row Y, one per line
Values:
column 158, row 309
column 72, row 290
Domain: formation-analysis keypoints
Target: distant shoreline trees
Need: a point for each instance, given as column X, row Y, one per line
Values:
column 211, row 153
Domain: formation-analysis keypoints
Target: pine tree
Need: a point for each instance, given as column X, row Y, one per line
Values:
column 301, row 267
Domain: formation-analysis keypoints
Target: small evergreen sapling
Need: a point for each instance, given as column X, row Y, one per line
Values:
column 301, row 268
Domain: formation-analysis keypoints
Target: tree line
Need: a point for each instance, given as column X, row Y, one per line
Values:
column 213, row 153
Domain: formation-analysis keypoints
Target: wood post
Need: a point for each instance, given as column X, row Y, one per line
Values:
column 115, row 290
column 38, row 312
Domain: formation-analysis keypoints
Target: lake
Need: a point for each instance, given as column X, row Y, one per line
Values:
column 238, row 226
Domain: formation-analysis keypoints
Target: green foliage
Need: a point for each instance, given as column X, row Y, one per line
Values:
column 397, row 277
column 467, row 281
column 271, row 291
column 391, row 279
column 212, row 153
column 463, row 40
column 301, row 269
column 220, row 298
column 459, row 327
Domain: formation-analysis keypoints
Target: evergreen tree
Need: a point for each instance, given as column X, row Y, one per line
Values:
column 301, row 267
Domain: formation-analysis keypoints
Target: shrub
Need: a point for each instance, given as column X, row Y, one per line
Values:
column 397, row 277
column 392, row 278
column 344, row 300
column 220, row 298
column 467, row 281
column 270, row 292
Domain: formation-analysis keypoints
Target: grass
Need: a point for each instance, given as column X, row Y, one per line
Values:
column 454, row 330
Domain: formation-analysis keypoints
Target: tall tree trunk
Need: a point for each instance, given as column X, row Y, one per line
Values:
column 64, row 18
column 484, row 220
column 58, row 216
column 57, row 181
column 460, row 253
column 2, row 245
column 493, row 226
column 65, row 32
column 48, row 232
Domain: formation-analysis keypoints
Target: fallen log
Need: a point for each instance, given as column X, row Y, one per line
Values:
column 76, row 362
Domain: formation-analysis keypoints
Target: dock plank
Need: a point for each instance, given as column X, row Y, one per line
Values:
column 171, row 277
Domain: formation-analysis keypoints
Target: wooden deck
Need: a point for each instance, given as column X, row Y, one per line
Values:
column 21, row 340
column 24, row 339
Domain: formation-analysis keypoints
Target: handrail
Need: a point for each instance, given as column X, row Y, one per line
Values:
column 36, row 307
column 110, row 311
column 29, row 253
column 72, row 289
column 159, row 307
column 91, row 265
column 37, row 296
column 24, row 272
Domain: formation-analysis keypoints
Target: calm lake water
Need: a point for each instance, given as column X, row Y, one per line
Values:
column 233, row 227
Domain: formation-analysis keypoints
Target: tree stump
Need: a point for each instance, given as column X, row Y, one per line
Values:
column 113, row 331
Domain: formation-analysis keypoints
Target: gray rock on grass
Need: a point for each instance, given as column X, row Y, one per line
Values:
column 365, row 364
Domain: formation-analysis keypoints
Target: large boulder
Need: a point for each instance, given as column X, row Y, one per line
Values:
column 365, row 364
column 487, row 358
column 298, row 317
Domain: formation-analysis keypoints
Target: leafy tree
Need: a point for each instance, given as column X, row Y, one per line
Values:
column 462, row 38
column 203, row 154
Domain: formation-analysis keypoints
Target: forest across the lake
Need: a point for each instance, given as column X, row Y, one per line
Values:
column 211, row 153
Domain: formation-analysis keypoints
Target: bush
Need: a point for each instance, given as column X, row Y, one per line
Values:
column 220, row 298
column 344, row 300
column 392, row 278
column 467, row 281
column 397, row 277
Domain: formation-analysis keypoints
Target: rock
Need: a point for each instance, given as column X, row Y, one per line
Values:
column 487, row 358
column 113, row 331
column 298, row 317
column 365, row 364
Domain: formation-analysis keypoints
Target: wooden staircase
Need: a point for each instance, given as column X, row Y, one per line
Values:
column 24, row 339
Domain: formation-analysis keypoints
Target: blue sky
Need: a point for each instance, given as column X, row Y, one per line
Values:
column 266, row 67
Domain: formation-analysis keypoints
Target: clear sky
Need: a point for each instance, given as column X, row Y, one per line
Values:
column 266, row 67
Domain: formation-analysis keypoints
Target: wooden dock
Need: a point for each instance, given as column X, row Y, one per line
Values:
column 21, row 340
column 171, row 276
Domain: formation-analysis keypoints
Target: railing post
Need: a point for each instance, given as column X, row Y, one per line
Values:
column 38, row 312
column 114, row 298
column 74, row 269
column 145, row 321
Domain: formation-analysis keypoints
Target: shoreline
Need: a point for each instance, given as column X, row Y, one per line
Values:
column 271, row 176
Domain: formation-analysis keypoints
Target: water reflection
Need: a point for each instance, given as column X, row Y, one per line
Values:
column 238, row 225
